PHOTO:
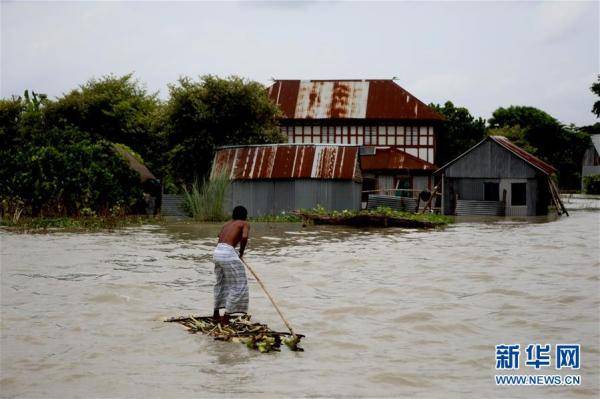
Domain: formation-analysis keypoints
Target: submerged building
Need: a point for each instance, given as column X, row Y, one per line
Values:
column 396, row 132
column 270, row 179
column 495, row 177
column 591, row 159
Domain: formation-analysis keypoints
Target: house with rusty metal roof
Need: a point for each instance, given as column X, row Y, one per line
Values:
column 497, row 178
column 270, row 179
column 395, row 130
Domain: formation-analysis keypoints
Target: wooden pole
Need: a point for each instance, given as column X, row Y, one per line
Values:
column 556, row 196
column 433, row 194
column 287, row 324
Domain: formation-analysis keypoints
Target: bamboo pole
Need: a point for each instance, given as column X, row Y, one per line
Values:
column 287, row 324
column 433, row 194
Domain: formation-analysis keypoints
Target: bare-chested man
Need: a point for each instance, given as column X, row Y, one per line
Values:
column 231, row 288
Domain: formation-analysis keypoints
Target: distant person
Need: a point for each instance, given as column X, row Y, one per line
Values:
column 231, row 288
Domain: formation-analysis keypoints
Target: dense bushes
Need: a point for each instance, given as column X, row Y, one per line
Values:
column 58, row 171
column 591, row 184
column 58, row 157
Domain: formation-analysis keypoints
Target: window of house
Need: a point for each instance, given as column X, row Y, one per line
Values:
column 370, row 135
column 412, row 136
column 518, row 194
column 491, row 191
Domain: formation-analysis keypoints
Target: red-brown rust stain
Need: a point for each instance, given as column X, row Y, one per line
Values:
column 393, row 159
column 221, row 161
column 340, row 100
column 287, row 161
column 308, row 158
column 283, row 162
column 387, row 100
column 287, row 90
column 348, row 168
column 242, row 161
column 313, row 100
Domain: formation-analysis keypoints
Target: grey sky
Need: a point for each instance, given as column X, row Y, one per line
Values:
column 481, row 55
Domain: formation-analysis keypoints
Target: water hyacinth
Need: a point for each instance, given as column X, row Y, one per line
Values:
column 241, row 330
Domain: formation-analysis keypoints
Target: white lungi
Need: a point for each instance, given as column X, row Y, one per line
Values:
column 231, row 288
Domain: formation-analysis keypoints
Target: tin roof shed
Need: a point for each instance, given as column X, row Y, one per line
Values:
column 288, row 161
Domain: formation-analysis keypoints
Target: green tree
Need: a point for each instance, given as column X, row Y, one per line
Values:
column 117, row 109
column 459, row 132
column 543, row 135
column 49, row 170
column 595, row 88
column 202, row 115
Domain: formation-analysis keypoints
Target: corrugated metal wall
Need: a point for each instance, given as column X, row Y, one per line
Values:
column 490, row 160
column 471, row 189
column 271, row 197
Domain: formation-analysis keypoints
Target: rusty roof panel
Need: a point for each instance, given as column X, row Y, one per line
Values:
column 524, row 155
column 288, row 161
column 390, row 101
column 392, row 158
column 324, row 100
column 348, row 99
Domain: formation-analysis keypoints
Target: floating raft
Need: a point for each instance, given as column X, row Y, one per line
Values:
column 365, row 220
column 241, row 330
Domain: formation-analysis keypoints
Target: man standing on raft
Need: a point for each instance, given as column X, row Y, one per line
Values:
column 231, row 288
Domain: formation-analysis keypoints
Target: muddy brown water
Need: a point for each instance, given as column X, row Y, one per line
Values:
column 387, row 313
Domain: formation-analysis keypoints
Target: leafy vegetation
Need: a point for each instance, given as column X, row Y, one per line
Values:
column 280, row 218
column 595, row 88
column 379, row 212
column 240, row 330
column 70, row 224
column 205, row 202
column 459, row 132
column 58, row 159
column 591, row 184
column 544, row 136
column 50, row 171
column 211, row 112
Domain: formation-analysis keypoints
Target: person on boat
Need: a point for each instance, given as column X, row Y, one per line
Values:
column 231, row 288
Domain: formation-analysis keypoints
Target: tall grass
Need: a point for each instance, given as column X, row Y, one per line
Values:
column 205, row 202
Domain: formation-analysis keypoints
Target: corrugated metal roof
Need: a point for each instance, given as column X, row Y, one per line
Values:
column 517, row 151
column 391, row 158
column 524, row 155
column 348, row 99
column 288, row 161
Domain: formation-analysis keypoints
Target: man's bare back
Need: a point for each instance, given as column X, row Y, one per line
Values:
column 235, row 232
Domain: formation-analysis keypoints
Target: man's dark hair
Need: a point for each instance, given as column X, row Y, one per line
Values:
column 239, row 213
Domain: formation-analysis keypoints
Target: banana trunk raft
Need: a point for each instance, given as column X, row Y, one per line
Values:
column 241, row 330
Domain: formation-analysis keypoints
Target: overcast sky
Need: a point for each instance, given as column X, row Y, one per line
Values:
column 480, row 55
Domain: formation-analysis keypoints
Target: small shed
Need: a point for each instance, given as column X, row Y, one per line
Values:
column 591, row 159
column 270, row 179
column 497, row 178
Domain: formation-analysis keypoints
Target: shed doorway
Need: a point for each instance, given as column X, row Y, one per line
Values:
column 516, row 196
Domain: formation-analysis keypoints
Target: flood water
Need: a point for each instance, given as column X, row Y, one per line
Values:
column 387, row 313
